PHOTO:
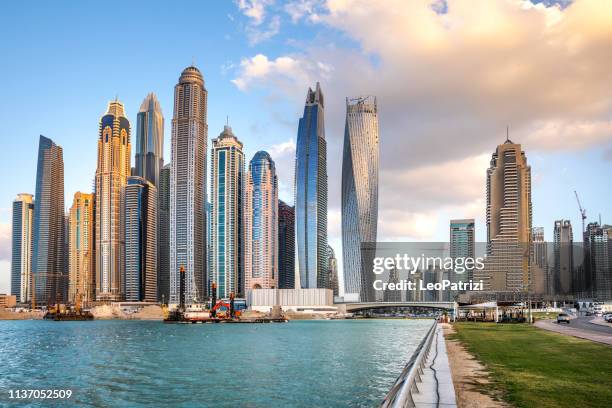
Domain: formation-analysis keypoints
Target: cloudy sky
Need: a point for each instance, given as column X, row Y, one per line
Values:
column 449, row 77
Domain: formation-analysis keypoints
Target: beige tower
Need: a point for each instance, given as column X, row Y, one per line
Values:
column 508, row 221
column 111, row 177
column 81, row 254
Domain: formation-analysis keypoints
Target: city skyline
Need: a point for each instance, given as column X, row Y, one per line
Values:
column 573, row 159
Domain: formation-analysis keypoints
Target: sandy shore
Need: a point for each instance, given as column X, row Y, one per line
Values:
column 469, row 376
column 8, row 315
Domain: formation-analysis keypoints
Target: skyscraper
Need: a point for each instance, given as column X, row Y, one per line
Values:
column 261, row 223
column 188, row 187
column 462, row 245
column 48, row 256
column 508, row 221
column 149, row 140
column 286, row 246
column 113, row 169
column 359, row 194
column 163, row 235
column 140, row 240
column 21, row 258
column 81, row 248
column 311, row 194
column 227, row 195
column 562, row 274
column 598, row 272
column 332, row 263
column 540, row 274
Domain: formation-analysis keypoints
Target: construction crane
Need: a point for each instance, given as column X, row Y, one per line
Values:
column 582, row 210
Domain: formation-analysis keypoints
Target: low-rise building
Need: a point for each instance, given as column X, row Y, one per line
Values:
column 294, row 300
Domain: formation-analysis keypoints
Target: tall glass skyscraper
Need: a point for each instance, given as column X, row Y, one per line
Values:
column 311, row 194
column 359, row 194
column 188, row 187
column 114, row 158
column 261, row 223
column 48, row 257
column 163, row 235
column 21, row 260
column 140, row 240
column 149, row 140
column 286, row 246
column 227, row 196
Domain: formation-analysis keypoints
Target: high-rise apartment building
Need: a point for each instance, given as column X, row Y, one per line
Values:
column 21, row 256
column 261, row 224
column 227, row 197
column 332, row 263
column 462, row 245
column 140, row 240
column 81, row 248
column 114, row 150
column 48, row 244
column 508, row 221
column 311, row 194
column 359, row 194
column 598, row 280
column 163, row 235
column 540, row 274
column 563, row 269
column 188, row 187
column 286, row 246
column 149, row 140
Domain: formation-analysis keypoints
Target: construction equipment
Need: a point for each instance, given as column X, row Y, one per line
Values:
column 582, row 210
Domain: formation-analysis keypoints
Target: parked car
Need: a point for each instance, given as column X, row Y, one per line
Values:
column 563, row 318
column 608, row 317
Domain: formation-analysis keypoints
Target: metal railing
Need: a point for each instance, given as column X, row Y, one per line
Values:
column 400, row 395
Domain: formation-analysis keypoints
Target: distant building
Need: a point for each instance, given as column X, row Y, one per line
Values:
column 188, row 187
column 149, row 140
column 227, row 195
column 114, row 157
column 311, row 194
column 540, row 274
column 163, row 236
column 462, row 245
column 392, row 295
column 261, row 224
column 597, row 254
column 81, row 249
column 7, row 301
column 508, row 221
column 21, row 258
column 286, row 246
column 333, row 270
column 48, row 258
column 140, row 240
column 359, row 194
column 291, row 300
column 562, row 273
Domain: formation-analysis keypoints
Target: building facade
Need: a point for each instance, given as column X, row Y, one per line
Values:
column 140, row 240
column 48, row 243
column 114, row 150
column 332, row 263
column 311, row 194
column 598, row 271
column 563, row 249
column 188, row 187
column 359, row 194
column 227, row 198
column 286, row 246
column 163, row 235
column 508, row 221
column 21, row 254
column 81, row 249
column 149, row 155
column 261, row 224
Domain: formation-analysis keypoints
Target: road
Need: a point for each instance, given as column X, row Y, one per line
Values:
column 579, row 327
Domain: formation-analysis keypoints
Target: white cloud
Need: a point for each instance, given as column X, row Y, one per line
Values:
column 283, row 155
column 256, row 34
column 5, row 242
column 254, row 9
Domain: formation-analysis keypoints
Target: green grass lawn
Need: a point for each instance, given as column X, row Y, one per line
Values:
column 536, row 368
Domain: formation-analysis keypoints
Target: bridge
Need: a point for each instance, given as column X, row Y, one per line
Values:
column 355, row 307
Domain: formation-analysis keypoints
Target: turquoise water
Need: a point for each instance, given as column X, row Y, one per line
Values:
column 349, row 363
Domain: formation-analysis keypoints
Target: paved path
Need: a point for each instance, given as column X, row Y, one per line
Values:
column 579, row 327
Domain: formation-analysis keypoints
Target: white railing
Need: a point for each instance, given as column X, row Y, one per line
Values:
column 400, row 395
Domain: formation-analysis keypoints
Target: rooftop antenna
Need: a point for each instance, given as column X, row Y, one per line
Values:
column 192, row 61
column 507, row 133
column 226, row 120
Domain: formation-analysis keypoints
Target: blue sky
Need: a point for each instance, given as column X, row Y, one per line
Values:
column 447, row 87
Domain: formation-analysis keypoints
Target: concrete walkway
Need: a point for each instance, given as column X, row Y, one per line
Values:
column 568, row 330
column 601, row 322
column 437, row 382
